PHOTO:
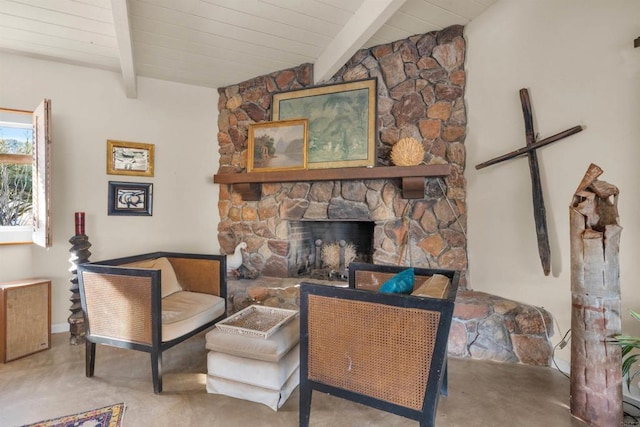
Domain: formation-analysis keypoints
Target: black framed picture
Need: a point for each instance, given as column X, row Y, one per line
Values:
column 130, row 198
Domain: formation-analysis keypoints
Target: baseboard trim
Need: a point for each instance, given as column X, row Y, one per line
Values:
column 59, row 328
column 633, row 401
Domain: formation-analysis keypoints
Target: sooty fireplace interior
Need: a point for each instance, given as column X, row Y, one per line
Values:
column 323, row 249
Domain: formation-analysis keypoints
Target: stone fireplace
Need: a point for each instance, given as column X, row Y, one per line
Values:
column 421, row 83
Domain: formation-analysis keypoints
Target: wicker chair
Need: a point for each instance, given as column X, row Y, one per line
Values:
column 150, row 302
column 387, row 351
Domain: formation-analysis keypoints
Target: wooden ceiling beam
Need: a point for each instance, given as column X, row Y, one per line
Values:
column 364, row 23
column 122, row 28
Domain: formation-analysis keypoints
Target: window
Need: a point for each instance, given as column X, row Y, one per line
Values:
column 25, row 176
column 16, row 199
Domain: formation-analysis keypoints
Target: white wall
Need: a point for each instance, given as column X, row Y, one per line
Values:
column 578, row 62
column 88, row 107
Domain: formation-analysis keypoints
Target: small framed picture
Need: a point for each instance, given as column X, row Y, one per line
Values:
column 277, row 146
column 130, row 198
column 129, row 158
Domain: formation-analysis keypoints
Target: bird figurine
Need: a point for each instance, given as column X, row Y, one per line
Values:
column 246, row 270
column 235, row 260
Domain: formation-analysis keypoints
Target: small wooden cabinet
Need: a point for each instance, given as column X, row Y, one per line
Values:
column 25, row 318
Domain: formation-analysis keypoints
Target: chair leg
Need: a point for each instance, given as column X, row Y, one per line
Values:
column 156, row 370
column 428, row 421
column 445, row 385
column 90, row 357
column 305, row 403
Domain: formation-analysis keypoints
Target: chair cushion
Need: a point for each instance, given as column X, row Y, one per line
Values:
column 436, row 286
column 169, row 282
column 254, row 372
column 269, row 350
column 184, row 311
column 401, row 283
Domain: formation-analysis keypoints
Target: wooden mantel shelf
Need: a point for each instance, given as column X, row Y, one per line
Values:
column 248, row 184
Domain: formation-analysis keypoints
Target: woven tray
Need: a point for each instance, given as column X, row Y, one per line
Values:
column 257, row 321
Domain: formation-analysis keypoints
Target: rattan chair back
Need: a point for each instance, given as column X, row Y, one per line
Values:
column 383, row 350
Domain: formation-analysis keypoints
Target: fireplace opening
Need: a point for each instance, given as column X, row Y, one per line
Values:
column 323, row 249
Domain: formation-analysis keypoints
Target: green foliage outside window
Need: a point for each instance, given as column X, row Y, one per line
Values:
column 15, row 183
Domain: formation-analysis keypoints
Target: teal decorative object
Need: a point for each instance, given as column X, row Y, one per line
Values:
column 401, row 283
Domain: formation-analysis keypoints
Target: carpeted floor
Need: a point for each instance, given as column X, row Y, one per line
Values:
column 52, row 383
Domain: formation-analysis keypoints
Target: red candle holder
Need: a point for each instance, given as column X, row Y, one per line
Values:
column 79, row 223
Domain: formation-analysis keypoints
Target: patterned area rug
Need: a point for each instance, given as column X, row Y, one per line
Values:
column 109, row 416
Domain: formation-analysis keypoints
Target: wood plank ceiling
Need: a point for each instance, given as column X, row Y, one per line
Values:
column 215, row 43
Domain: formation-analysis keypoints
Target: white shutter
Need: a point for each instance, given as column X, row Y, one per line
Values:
column 41, row 181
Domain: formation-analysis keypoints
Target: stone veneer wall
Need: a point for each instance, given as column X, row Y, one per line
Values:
column 421, row 83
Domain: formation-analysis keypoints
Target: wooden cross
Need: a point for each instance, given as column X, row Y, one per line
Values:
column 539, row 212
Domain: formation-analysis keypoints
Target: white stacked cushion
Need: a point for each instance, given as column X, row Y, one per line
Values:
column 272, row 398
column 269, row 350
column 254, row 372
column 184, row 311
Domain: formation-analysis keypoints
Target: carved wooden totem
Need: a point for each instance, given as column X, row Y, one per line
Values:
column 79, row 254
column 596, row 376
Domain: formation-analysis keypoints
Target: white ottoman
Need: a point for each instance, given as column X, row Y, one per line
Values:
column 254, row 368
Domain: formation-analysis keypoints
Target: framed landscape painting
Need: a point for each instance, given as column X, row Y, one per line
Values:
column 277, row 146
column 129, row 158
column 342, row 122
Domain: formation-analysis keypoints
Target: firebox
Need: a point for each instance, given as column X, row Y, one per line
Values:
column 323, row 249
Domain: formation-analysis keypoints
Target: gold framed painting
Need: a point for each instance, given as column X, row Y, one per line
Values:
column 277, row 146
column 129, row 158
column 342, row 122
